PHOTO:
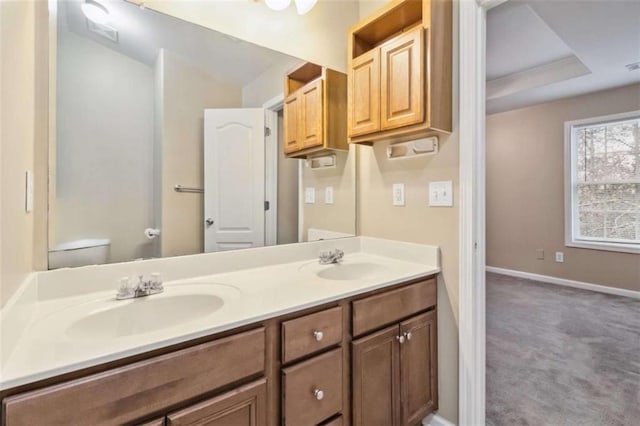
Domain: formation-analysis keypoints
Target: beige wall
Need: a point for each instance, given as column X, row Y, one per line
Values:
column 187, row 92
column 268, row 85
column 17, row 111
column 341, row 215
column 287, row 192
column 525, row 191
column 104, row 144
column 417, row 222
column 319, row 36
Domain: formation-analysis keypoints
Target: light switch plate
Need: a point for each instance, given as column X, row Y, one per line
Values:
column 328, row 195
column 28, row 193
column 559, row 257
column 398, row 194
column 309, row 195
column 441, row 194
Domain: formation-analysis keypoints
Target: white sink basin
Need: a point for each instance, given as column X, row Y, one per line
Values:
column 144, row 315
column 345, row 271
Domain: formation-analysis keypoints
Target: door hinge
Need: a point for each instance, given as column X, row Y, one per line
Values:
column 267, row 131
column 267, row 206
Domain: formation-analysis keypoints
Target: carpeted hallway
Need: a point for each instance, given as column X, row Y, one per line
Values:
column 560, row 356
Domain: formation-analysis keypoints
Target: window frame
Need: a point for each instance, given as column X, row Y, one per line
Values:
column 570, row 188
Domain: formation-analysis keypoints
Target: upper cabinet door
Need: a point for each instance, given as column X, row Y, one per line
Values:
column 364, row 94
column 418, row 368
column 291, row 120
column 312, row 114
column 402, row 94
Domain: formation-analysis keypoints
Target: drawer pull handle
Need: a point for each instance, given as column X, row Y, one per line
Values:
column 400, row 339
column 319, row 335
column 318, row 394
column 408, row 335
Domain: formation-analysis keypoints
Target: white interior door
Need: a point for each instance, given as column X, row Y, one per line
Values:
column 234, row 187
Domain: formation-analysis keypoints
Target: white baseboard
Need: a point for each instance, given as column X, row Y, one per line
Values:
column 568, row 283
column 436, row 420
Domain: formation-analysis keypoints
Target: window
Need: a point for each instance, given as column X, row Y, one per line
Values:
column 602, row 165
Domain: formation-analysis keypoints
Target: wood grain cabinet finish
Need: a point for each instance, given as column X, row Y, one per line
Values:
column 244, row 406
column 312, row 390
column 395, row 374
column 125, row 394
column 385, row 308
column 364, row 94
column 311, row 106
column 311, row 333
column 315, row 112
column 418, row 368
column 400, row 72
column 338, row 421
column 155, row 422
column 292, row 141
column 402, row 78
column 376, row 378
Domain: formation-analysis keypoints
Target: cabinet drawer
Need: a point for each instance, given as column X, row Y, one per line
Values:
column 245, row 406
column 313, row 389
column 125, row 394
column 334, row 422
column 311, row 333
column 385, row 308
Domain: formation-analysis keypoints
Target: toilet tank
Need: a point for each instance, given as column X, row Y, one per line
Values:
column 79, row 253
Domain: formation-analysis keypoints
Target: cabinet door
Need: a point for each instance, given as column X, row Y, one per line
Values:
column 419, row 368
column 244, row 406
column 402, row 93
column 376, row 371
column 364, row 94
column 291, row 123
column 312, row 114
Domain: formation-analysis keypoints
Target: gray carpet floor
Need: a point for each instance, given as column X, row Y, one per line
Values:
column 561, row 356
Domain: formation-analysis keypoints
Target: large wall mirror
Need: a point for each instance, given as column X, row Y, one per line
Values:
column 160, row 146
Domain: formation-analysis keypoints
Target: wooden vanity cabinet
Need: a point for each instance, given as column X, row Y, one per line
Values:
column 333, row 365
column 244, row 406
column 400, row 72
column 315, row 111
column 395, row 373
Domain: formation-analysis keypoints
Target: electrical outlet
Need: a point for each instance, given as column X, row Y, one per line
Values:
column 309, row 195
column 441, row 194
column 328, row 195
column 398, row 194
column 559, row 257
column 540, row 254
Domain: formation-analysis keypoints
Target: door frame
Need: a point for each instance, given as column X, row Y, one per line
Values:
column 472, row 251
column 271, row 109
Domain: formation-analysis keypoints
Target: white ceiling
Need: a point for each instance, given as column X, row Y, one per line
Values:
column 142, row 32
column 580, row 47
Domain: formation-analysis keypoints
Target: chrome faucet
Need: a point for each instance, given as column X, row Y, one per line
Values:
column 331, row 256
column 143, row 288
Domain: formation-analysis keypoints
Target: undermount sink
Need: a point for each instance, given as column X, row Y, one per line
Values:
column 144, row 315
column 345, row 271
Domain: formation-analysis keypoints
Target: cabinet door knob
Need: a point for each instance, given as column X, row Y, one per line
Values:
column 408, row 335
column 319, row 335
column 318, row 394
column 400, row 339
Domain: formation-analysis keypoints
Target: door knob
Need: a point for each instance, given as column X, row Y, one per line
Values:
column 209, row 221
column 319, row 335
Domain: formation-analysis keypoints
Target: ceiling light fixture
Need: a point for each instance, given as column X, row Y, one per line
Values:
column 278, row 4
column 302, row 6
column 95, row 12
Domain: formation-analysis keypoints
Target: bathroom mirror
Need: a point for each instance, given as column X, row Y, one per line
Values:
column 160, row 147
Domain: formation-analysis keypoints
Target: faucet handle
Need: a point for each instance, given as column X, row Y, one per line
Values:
column 156, row 281
column 124, row 289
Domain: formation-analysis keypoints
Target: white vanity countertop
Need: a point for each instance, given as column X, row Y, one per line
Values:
column 51, row 335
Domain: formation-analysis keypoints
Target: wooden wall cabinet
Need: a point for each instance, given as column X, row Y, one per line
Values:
column 303, row 368
column 315, row 111
column 400, row 72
